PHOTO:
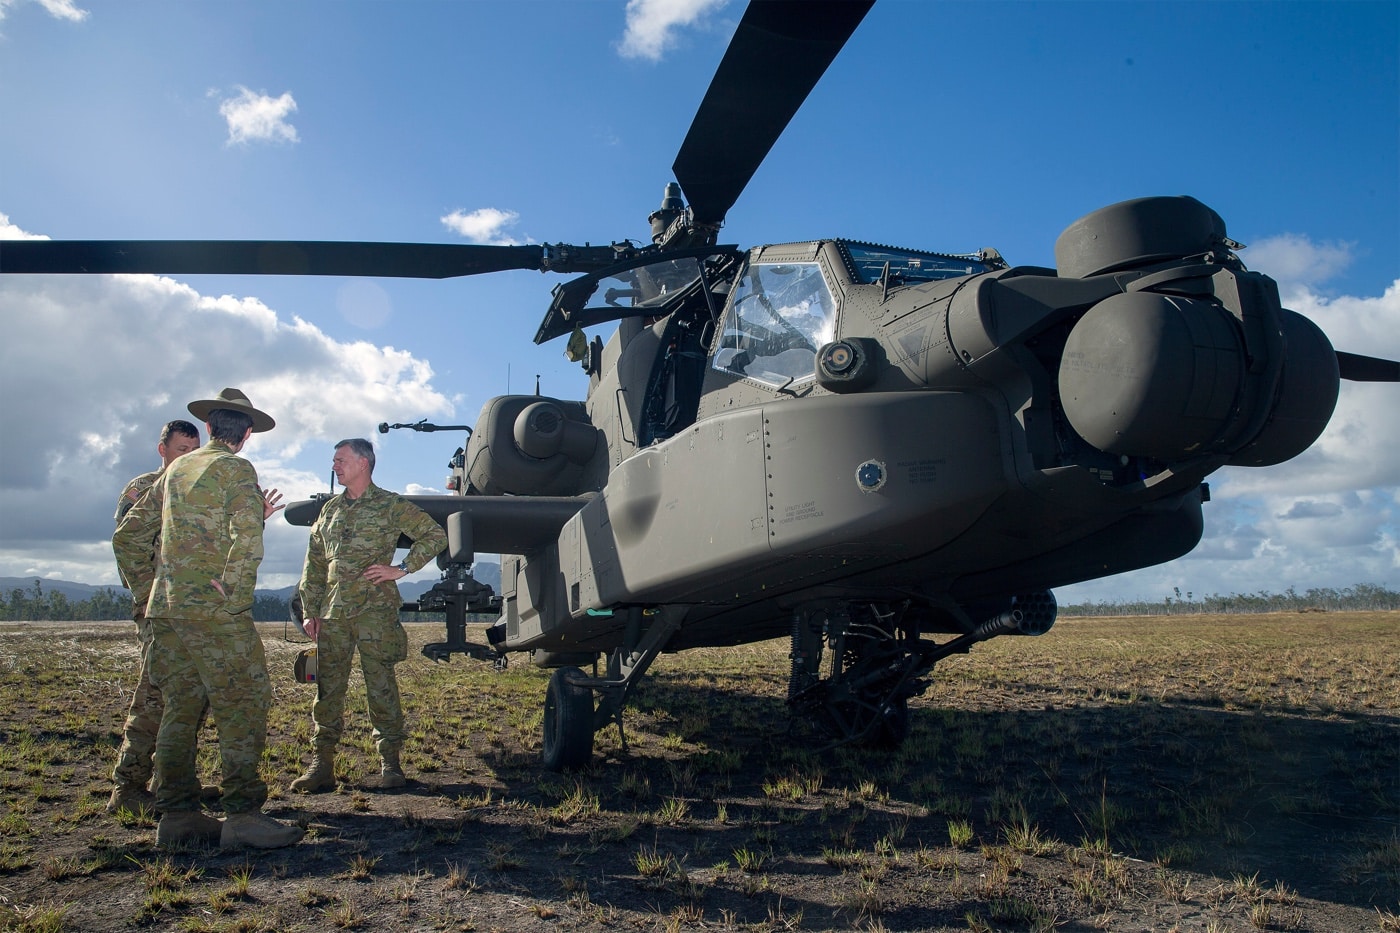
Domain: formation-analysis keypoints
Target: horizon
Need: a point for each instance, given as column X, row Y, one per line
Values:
column 416, row 586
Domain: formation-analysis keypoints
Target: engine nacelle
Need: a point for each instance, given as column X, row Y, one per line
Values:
column 1305, row 399
column 1167, row 377
column 1149, row 375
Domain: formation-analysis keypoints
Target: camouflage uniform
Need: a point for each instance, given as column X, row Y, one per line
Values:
column 133, row 492
column 206, row 511
column 143, row 716
column 349, row 536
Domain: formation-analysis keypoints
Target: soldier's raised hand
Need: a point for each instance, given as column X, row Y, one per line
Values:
column 271, row 498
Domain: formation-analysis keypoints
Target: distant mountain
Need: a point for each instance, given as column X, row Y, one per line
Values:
column 489, row 573
column 74, row 591
column 485, row 572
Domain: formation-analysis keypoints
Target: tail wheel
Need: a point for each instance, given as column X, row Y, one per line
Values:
column 568, row 722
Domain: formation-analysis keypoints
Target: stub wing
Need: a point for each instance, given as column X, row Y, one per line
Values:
column 498, row 524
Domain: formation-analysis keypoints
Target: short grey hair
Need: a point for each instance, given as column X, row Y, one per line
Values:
column 360, row 448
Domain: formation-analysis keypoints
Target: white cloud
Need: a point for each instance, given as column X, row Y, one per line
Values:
column 9, row 231
column 484, row 225
column 257, row 117
column 652, row 25
column 1360, row 325
column 58, row 9
column 64, row 9
column 1293, row 260
column 1311, row 508
column 91, row 367
column 1276, row 542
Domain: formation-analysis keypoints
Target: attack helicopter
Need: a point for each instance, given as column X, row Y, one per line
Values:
column 886, row 455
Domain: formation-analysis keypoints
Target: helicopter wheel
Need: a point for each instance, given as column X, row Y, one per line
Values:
column 893, row 727
column 568, row 722
column 866, row 726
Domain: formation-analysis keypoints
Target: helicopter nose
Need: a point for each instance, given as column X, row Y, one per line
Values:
column 1169, row 378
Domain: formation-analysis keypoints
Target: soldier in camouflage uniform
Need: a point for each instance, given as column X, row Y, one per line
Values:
column 351, row 601
column 207, row 512
column 133, row 768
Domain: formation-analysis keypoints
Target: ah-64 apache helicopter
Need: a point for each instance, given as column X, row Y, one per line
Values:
column 857, row 446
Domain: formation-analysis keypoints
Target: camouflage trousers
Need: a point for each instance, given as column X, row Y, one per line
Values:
column 382, row 643
column 142, row 721
column 198, row 661
column 134, row 758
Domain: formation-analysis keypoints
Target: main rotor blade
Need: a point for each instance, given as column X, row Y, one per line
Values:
column 777, row 55
column 265, row 257
column 1359, row 368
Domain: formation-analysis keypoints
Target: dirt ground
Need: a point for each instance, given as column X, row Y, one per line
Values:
column 1117, row 775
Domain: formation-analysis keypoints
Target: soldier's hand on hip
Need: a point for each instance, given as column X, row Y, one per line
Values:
column 383, row 573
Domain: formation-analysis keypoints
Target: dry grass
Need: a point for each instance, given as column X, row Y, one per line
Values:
column 1229, row 773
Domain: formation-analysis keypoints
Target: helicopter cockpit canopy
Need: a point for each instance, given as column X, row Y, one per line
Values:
column 780, row 314
column 650, row 285
column 869, row 264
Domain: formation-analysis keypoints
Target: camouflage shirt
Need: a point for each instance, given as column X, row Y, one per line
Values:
column 206, row 512
column 349, row 536
column 130, row 496
column 133, row 491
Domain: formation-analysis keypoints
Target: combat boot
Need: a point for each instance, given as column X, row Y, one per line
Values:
column 390, row 772
column 186, row 827
column 319, row 776
column 257, row 831
column 132, row 797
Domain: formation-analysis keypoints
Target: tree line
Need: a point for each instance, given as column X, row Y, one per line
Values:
column 37, row 605
column 1363, row 597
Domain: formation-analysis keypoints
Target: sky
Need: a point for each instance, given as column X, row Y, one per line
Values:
column 940, row 126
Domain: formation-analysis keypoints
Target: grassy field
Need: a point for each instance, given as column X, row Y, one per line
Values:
column 1185, row 773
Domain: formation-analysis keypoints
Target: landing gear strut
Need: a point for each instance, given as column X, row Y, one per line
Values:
column 875, row 669
column 569, row 717
column 879, row 660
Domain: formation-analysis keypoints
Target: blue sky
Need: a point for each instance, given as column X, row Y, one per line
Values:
column 940, row 126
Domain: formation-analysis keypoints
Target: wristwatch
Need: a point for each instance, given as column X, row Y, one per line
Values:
column 403, row 565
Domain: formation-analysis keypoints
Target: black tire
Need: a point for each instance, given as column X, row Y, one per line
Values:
column 568, row 722
column 892, row 729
